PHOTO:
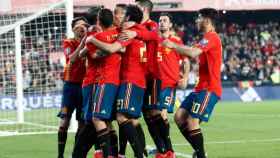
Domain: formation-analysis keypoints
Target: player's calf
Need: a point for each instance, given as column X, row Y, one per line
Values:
column 113, row 140
column 85, row 140
column 154, row 131
column 129, row 105
column 103, row 101
column 126, row 126
column 62, row 136
column 103, row 138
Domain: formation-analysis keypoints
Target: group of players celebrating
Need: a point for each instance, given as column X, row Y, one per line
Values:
column 120, row 65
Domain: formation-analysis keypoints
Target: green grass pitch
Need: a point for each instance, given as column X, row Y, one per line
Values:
column 236, row 130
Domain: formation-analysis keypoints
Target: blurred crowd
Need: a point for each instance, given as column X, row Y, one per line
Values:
column 251, row 52
column 42, row 70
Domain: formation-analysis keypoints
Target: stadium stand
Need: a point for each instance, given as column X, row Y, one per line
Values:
column 251, row 53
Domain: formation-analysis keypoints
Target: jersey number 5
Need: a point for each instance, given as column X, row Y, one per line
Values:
column 159, row 56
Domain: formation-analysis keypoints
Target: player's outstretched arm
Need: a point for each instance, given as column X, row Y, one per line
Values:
column 99, row 54
column 107, row 47
column 184, row 74
column 147, row 35
column 75, row 55
column 83, row 52
column 183, row 49
column 144, row 35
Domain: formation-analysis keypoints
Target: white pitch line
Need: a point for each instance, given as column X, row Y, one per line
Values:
column 40, row 125
column 9, row 122
column 27, row 133
column 183, row 155
column 237, row 141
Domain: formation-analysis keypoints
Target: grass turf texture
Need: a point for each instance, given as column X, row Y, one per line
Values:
column 236, row 130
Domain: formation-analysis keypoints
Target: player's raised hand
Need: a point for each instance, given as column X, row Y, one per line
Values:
column 80, row 30
column 83, row 42
column 89, row 39
column 127, row 35
column 83, row 52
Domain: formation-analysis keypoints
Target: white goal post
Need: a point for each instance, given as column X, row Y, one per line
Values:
column 31, row 65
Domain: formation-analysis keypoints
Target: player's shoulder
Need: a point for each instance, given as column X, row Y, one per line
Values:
column 152, row 22
column 212, row 36
column 70, row 42
column 91, row 33
column 151, row 25
column 110, row 32
column 139, row 27
column 175, row 38
column 108, row 35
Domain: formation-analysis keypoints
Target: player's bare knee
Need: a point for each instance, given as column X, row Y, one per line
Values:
column 135, row 122
column 99, row 124
column 121, row 118
column 154, row 112
column 179, row 117
column 193, row 123
column 164, row 114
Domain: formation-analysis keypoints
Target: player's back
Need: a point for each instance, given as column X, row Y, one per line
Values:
column 73, row 72
column 133, row 62
column 108, row 67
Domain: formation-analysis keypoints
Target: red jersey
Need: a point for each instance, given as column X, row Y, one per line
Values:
column 169, row 63
column 108, row 67
column 210, row 62
column 75, row 72
column 90, row 69
column 134, row 59
column 152, row 49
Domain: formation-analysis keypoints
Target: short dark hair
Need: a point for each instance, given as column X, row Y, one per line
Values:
column 92, row 14
column 105, row 16
column 121, row 5
column 78, row 19
column 168, row 15
column 146, row 3
column 134, row 13
column 210, row 13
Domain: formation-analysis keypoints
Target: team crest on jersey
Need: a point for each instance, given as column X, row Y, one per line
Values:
column 203, row 42
column 167, row 50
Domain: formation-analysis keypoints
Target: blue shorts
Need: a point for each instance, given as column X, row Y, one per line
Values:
column 130, row 100
column 104, row 101
column 87, row 102
column 152, row 95
column 71, row 99
column 200, row 104
column 167, row 99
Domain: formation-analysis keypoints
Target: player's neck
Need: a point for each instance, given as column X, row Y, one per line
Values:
column 209, row 29
column 77, row 38
column 146, row 17
column 165, row 34
column 107, row 28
